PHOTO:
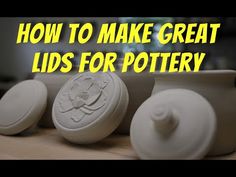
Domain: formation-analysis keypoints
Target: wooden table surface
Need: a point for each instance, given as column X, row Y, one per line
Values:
column 47, row 144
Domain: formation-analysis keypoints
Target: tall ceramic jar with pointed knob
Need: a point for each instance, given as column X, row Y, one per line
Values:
column 173, row 124
column 218, row 87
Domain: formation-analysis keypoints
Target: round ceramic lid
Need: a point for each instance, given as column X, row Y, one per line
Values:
column 173, row 124
column 90, row 106
column 22, row 106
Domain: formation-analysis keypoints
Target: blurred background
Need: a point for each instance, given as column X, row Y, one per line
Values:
column 16, row 60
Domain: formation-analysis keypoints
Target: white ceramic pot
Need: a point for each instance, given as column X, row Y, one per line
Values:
column 218, row 87
column 174, row 124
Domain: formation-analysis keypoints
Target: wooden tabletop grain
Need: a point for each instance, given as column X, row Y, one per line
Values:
column 47, row 144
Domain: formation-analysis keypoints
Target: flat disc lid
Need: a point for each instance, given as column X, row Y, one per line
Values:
column 22, row 106
column 173, row 124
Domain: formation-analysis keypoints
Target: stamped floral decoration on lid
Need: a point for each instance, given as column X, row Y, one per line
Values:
column 85, row 96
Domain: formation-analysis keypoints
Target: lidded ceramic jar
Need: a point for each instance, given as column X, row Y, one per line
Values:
column 90, row 106
column 218, row 88
column 173, row 124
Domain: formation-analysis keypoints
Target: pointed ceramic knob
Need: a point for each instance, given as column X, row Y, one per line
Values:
column 173, row 124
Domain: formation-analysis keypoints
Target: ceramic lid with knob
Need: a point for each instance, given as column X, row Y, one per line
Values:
column 173, row 124
column 22, row 107
column 90, row 106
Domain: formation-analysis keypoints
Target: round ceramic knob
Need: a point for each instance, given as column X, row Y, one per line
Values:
column 90, row 107
column 22, row 107
column 163, row 118
column 173, row 124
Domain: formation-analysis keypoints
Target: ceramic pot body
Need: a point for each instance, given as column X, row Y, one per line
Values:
column 140, row 88
column 53, row 82
column 218, row 87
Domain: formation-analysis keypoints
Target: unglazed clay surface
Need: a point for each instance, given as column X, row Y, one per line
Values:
column 218, row 87
column 140, row 88
column 173, row 124
column 22, row 107
column 53, row 82
column 81, row 98
column 90, row 100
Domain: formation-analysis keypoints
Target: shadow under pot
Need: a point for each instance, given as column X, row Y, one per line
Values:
column 218, row 87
